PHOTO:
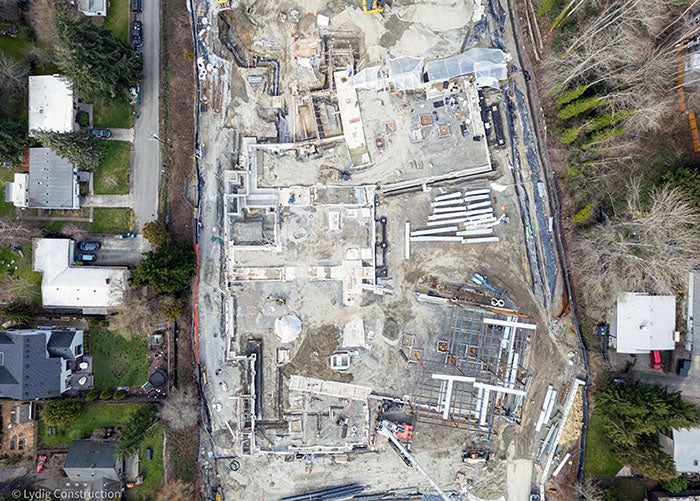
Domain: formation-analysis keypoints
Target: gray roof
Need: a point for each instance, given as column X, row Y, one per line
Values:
column 27, row 372
column 59, row 344
column 488, row 65
column 30, row 365
column 52, row 180
column 92, row 459
column 694, row 310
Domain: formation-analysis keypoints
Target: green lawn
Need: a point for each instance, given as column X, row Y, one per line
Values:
column 19, row 47
column 152, row 470
column 6, row 175
column 117, row 361
column 599, row 459
column 111, row 220
column 92, row 416
column 23, row 271
column 114, row 114
column 118, row 19
column 111, row 177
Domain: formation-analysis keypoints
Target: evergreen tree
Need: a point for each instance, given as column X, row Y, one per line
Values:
column 168, row 269
column 97, row 63
column 13, row 140
column 80, row 148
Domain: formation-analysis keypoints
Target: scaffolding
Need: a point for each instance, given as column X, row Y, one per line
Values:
column 476, row 372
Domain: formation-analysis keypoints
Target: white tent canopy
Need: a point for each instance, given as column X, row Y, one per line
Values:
column 488, row 65
column 406, row 72
column 288, row 328
column 367, row 78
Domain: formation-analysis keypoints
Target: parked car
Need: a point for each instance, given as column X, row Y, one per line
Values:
column 655, row 358
column 127, row 235
column 40, row 463
column 135, row 95
column 465, row 130
column 527, row 76
column 88, row 246
column 100, row 133
column 84, row 257
column 137, row 34
column 136, row 5
column 684, row 367
column 149, row 453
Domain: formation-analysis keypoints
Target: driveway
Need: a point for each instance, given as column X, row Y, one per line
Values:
column 115, row 251
column 122, row 135
column 146, row 158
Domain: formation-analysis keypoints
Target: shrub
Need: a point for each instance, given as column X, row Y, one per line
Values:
column 569, row 95
column 674, row 485
column 106, row 394
column 82, row 118
column 583, row 215
column 119, row 394
column 569, row 135
column 92, row 395
column 579, row 107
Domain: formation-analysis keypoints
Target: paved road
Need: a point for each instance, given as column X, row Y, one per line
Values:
column 120, row 252
column 113, row 201
column 146, row 160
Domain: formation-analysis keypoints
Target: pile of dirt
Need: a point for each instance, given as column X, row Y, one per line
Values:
column 312, row 358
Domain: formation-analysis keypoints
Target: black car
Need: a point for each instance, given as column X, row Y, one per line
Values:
column 85, row 258
column 88, row 246
column 136, row 5
column 137, row 34
column 527, row 76
column 100, row 133
column 464, row 129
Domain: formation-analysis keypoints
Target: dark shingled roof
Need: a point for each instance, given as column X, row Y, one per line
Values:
column 29, row 371
column 59, row 344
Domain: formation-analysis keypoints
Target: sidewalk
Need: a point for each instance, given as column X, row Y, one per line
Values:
column 122, row 135
column 114, row 201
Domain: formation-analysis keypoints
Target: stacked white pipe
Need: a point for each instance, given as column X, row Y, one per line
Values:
column 460, row 217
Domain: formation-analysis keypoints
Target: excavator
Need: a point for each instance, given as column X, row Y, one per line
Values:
column 373, row 6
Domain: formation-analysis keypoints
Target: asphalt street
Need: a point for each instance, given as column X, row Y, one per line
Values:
column 146, row 156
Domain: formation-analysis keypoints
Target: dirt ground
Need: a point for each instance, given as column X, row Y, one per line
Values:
column 177, row 123
column 177, row 117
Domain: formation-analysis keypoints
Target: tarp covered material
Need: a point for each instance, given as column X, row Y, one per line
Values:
column 367, row 78
column 288, row 328
column 488, row 65
column 406, row 72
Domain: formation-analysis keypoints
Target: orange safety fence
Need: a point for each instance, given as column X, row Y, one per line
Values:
column 692, row 121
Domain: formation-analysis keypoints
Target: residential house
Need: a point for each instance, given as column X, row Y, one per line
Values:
column 52, row 183
column 93, row 7
column 51, row 104
column 693, row 335
column 38, row 363
column 90, row 289
column 93, row 460
column 642, row 323
column 683, row 445
column 667, row 496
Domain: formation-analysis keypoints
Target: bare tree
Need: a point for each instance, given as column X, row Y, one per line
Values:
column 15, row 287
column 13, row 75
column 175, row 490
column 13, row 231
column 588, row 489
column 180, row 409
column 9, row 11
column 137, row 316
column 644, row 249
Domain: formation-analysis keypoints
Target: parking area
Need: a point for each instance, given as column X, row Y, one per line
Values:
column 116, row 251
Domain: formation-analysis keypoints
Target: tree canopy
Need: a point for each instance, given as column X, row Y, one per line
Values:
column 13, row 139
column 167, row 269
column 58, row 412
column 156, row 232
column 80, row 148
column 134, row 430
column 97, row 63
column 633, row 414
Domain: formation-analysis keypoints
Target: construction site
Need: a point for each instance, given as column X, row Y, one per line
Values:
column 370, row 323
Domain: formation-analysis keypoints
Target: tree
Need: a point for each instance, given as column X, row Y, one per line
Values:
column 168, row 269
column 632, row 416
column 180, row 409
column 59, row 412
column 133, row 431
column 80, row 148
column 588, row 489
column 13, row 75
column 175, row 490
column 97, row 63
column 20, row 312
column 156, row 232
column 13, row 140
column 675, row 485
column 686, row 179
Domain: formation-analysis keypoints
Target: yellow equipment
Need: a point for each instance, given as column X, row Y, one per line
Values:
column 373, row 6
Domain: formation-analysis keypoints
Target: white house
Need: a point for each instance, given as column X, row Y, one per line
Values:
column 52, row 183
column 642, row 323
column 92, row 289
column 683, row 445
column 51, row 104
column 93, row 7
